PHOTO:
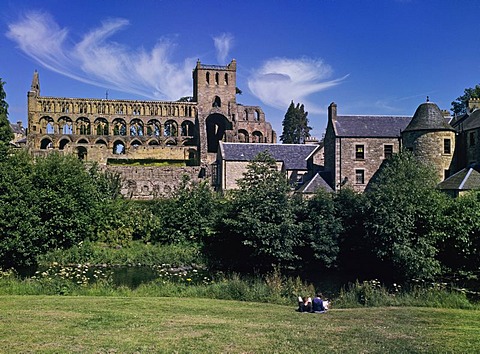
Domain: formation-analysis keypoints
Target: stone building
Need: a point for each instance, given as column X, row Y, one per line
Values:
column 299, row 162
column 356, row 145
column 431, row 139
column 181, row 135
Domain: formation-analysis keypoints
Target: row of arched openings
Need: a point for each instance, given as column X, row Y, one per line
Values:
column 119, row 126
column 216, row 78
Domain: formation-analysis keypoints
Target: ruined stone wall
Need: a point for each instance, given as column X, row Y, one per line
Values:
column 153, row 182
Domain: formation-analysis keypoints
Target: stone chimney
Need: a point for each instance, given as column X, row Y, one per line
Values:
column 332, row 112
column 473, row 104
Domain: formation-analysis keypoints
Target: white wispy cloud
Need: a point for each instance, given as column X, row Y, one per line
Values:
column 281, row 80
column 97, row 60
column 223, row 44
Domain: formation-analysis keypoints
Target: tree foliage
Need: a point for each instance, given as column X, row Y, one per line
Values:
column 320, row 231
column 403, row 213
column 6, row 134
column 459, row 106
column 259, row 229
column 52, row 202
column 295, row 125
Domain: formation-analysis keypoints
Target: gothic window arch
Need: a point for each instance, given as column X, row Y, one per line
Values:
column 101, row 126
column 65, row 125
column 207, row 77
column 46, row 143
column 257, row 137
column 118, row 147
column 83, row 126
column 136, row 127
column 187, row 128
column 154, row 128
column 119, row 127
column 242, row 136
column 226, row 79
column 171, row 128
column 216, row 78
column 217, row 102
column 62, row 143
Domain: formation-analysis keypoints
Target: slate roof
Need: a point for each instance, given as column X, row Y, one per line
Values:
column 470, row 122
column 466, row 179
column 317, row 182
column 428, row 117
column 294, row 156
column 371, row 126
column 17, row 128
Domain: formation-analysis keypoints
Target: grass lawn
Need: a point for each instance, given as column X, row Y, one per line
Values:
column 62, row 324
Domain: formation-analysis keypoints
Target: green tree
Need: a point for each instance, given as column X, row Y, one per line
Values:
column 258, row 230
column 6, row 134
column 459, row 106
column 460, row 242
column 403, row 214
column 189, row 216
column 295, row 125
column 20, row 230
column 320, row 231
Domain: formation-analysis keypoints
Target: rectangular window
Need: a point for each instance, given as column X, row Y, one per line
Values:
column 387, row 151
column 472, row 138
column 447, row 146
column 360, row 176
column 359, row 152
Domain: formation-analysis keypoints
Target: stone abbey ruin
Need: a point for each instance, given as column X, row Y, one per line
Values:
column 167, row 139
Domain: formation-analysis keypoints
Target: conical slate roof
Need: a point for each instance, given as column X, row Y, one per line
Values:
column 428, row 117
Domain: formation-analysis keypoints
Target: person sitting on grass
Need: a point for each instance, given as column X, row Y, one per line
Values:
column 318, row 305
column 304, row 304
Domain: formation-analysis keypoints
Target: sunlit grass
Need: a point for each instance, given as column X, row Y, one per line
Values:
column 61, row 324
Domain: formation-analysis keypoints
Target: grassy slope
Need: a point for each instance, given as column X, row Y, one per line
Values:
column 55, row 324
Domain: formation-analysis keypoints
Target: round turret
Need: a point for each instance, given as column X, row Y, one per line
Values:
column 431, row 138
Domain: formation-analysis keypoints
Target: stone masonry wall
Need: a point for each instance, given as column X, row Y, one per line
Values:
column 152, row 182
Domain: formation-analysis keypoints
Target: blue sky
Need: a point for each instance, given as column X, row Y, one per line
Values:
column 370, row 57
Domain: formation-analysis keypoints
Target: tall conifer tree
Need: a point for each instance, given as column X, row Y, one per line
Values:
column 295, row 125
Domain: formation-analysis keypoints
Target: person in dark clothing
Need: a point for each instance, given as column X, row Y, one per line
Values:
column 317, row 304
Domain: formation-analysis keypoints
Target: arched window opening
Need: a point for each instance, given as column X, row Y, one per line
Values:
column 216, row 78
column 257, row 116
column 257, row 137
column 101, row 126
column 119, row 127
column 82, row 141
column 136, row 143
column 187, row 128
column 171, row 142
column 63, row 143
column 82, row 153
column 136, row 128
column 207, row 76
column 154, row 128
column 242, row 136
column 171, row 128
column 226, row 79
column 101, row 142
column 50, row 129
column 46, row 143
column 119, row 148
column 153, row 143
column 66, row 125
column 246, row 115
column 217, row 102
column 83, row 126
